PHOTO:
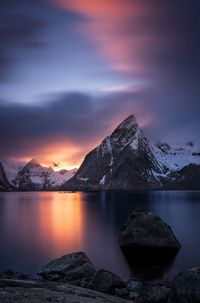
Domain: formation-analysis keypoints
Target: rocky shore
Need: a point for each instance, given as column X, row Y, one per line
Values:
column 104, row 287
column 73, row 278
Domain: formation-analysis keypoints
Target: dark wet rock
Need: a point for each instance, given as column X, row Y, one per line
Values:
column 105, row 281
column 45, row 292
column 148, row 292
column 10, row 274
column 20, row 283
column 157, row 292
column 121, row 292
column 15, row 288
column 134, row 287
column 147, row 232
column 186, row 287
column 75, row 268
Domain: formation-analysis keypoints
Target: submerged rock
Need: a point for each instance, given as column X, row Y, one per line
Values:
column 105, row 281
column 75, row 268
column 186, row 287
column 146, row 232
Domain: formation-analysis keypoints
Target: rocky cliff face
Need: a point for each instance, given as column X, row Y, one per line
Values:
column 126, row 160
column 4, row 184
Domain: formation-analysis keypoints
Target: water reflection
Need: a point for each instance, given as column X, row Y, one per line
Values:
column 37, row 227
column 61, row 220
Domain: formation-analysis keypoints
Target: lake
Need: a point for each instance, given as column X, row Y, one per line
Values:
column 36, row 227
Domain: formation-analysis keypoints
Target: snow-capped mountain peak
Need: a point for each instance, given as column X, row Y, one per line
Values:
column 129, row 123
column 128, row 160
column 126, row 134
column 175, row 158
column 33, row 163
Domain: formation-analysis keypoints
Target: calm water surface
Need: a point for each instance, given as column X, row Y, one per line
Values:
column 37, row 227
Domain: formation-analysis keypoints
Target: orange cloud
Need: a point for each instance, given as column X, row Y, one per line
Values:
column 108, row 24
column 68, row 154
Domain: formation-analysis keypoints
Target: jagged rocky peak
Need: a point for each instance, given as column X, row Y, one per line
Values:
column 128, row 123
column 127, row 133
column 129, row 127
column 123, row 160
column 50, row 169
column 163, row 146
column 190, row 144
column 33, row 163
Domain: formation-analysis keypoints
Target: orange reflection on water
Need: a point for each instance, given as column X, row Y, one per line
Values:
column 61, row 220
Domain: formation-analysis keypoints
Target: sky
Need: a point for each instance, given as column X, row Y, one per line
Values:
column 71, row 70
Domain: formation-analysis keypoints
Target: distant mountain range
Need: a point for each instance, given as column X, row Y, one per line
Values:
column 125, row 160
column 31, row 176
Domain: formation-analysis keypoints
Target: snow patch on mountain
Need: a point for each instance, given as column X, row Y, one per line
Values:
column 134, row 143
column 103, row 179
column 176, row 158
column 11, row 169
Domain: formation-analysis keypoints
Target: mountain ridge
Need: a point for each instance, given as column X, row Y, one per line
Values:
column 31, row 176
column 127, row 160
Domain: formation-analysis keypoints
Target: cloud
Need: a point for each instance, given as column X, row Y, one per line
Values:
column 131, row 31
column 153, row 40
column 72, row 121
column 18, row 33
column 71, row 124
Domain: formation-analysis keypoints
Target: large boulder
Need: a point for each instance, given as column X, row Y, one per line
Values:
column 105, row 281
column 186, row 287
column 147, row 232
column 75, row 268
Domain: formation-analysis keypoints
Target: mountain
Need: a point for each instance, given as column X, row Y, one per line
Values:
column 127, row 160
column 33, row 176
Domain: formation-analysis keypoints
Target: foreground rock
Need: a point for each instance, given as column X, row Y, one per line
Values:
column 154, row 292
column 186, row 287
column 74, row 268
column 149, row 292
column 146, row 233
column 17, row 290
column 107, row 282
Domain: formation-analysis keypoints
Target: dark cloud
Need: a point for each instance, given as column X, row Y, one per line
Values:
column 18, row 32
column 71, row 117
column 76, row 118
